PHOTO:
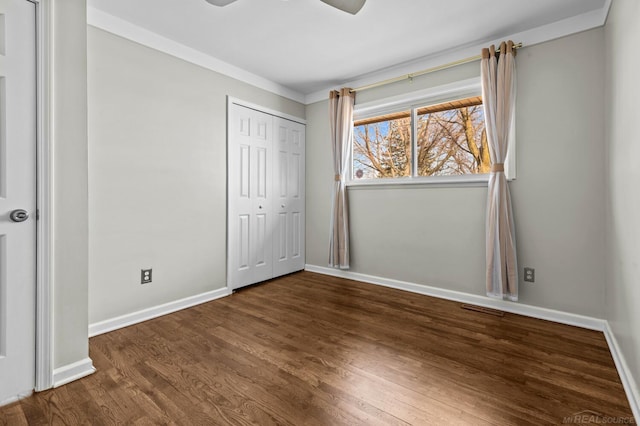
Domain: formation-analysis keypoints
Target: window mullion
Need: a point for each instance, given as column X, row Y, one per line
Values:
column 414, row 142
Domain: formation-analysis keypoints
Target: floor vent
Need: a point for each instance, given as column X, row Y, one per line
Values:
column 483, row 310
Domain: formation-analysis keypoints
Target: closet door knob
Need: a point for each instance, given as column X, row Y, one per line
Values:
column 19, row 215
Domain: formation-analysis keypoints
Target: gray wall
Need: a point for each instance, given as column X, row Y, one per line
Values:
column 69, row 186
column 157, row 174
column 435, row 235
column 622, row 35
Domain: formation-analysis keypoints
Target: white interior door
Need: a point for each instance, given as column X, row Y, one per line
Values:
column 17, row 197
column 250, row 163
column 289, row 229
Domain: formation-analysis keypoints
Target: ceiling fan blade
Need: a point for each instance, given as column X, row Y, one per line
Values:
column 220, row 2
column 350, row 6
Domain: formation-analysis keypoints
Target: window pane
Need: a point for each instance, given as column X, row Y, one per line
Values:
column 451, row 139
column 382, row 146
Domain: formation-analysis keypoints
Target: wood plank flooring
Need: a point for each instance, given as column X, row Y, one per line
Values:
column 308, row 349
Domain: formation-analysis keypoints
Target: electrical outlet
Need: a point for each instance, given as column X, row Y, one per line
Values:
column 529, row 275
column 145, row 276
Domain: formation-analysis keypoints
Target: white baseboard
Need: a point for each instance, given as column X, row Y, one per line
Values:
column 628, row 382
column 71, row 372
column 155, row 311
column 458, row 296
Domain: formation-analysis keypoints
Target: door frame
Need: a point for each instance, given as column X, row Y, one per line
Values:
column 44, row 169
column 235, row 101
column 231, row 100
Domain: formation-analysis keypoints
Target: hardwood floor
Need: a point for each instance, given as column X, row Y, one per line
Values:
column 308, row 349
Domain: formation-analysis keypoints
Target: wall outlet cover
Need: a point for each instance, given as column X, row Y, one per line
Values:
column 529, row 275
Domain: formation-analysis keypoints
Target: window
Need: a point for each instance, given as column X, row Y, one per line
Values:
column 449, row 139
column 382, row 146
column 432, row 136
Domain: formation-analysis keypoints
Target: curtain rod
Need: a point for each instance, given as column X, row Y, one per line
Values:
column 425, row 71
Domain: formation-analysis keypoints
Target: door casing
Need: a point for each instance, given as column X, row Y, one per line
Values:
column 44, row 170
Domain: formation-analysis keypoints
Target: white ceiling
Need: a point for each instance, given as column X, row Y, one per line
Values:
column 307, row 46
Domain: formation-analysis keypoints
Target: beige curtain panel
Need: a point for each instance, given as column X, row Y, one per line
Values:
column 341, row 121
column 498, row 96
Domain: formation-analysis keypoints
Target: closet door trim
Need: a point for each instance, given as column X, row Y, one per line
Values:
column 231, row 100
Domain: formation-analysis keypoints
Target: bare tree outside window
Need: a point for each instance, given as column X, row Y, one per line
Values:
column 450, row 140
column 382, row 147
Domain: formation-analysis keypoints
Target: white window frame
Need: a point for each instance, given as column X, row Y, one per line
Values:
column 432, row 96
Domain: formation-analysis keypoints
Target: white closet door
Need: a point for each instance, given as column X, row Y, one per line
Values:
column 250, row 164
column 289, row 203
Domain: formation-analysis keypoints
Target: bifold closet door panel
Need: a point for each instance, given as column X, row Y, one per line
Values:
column 250, row 175
column 289, row 203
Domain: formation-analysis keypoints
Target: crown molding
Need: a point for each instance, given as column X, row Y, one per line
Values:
column 120, row 27
column 542, row 34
